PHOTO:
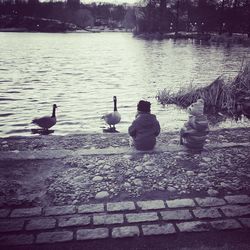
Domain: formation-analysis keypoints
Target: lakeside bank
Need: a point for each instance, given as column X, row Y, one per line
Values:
column 76, row 169
column 93, row 191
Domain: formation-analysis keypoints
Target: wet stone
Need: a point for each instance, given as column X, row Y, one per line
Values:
column 52, row 237
column 90, row 234
column 206, row 213
column 74, row 221
column 237, row 199
column 158, row 229
column 120, row 206
column 19, row 239
column 154, row 204
column 142, row 217
column 11, row 225
column 193, row 226
column 44, row 223
column 107, row 219
column 225, row 224
column 180, row 203
column 210, row 201
column 26, row 212
column 176, row 215
column 234, row 210
column 60, row 210
column 128, row 231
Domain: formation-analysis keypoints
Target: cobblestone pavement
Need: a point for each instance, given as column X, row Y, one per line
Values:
column 72, row 223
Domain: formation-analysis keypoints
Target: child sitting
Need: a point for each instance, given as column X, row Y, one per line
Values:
column 145, row 128
column 193, row 134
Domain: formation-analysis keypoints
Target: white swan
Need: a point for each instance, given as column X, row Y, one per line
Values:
column 46, row 122
column 112, row 118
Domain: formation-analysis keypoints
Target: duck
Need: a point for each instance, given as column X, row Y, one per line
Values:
column 46, row 122
column 112, row 118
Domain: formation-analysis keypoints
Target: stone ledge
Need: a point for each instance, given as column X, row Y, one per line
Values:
column 91, row 234
column 178, row 203
column 210, row 202
column 148, row 205
column 26, row 212
column 74, row 221
column 52, row 237
column 120, row 206
column 62, row 153
column 11, row 225
column 158, row 229
column 225, row 224
column 202, row 213
column 176, row 215
column 237, row 199
column 91, row 208
column 127, row 231
column 107, row 219
column 234, row 210
column 193, row 226
column 39, row 224
column 142, row 217
column 18, row 239
column 60, row 210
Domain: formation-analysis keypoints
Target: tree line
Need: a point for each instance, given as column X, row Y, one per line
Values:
column 194, row 15
column 148, row 16
column 73, row 11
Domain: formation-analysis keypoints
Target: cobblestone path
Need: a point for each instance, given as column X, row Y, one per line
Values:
column 38, row 225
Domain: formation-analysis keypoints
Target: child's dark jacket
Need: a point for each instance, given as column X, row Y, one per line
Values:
column 144, row 130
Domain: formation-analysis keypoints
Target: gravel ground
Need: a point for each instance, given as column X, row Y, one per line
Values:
column 89, row 179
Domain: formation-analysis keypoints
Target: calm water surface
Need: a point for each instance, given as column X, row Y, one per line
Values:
column 81, row 72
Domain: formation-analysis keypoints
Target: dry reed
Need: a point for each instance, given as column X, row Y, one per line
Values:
column 230, row 98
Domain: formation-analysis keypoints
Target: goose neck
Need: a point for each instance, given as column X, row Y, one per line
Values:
column 115, row 105
column 54, row 112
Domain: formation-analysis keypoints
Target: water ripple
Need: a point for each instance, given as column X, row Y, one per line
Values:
column 82, row 73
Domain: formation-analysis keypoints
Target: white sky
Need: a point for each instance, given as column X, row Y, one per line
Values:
column 103, row 1
column 111, row 1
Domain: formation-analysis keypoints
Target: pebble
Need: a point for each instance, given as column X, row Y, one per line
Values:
column 100, row 162
column 127, row 185
column 171, row 189
column 101, row 195
column 201, row 175
column 206, row 159
column 107, row 167
column 137, row 182
column 190, row 173
column 202, row 164
column 212, row 192
column 138, row 168
column 97, row 178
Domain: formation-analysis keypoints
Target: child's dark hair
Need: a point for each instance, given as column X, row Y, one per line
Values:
column 144, row 106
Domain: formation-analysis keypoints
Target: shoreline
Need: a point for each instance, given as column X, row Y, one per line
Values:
column 63, row 170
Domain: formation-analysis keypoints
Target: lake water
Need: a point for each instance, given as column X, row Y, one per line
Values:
column 81, row 72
